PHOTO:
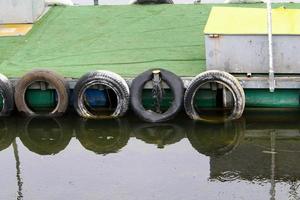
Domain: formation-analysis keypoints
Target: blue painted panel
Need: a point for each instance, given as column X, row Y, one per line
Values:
column 96, row 98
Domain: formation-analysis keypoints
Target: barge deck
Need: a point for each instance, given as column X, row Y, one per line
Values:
column 129, row 40
column 124, row 39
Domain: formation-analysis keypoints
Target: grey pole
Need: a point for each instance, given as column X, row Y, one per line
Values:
column 271, row 67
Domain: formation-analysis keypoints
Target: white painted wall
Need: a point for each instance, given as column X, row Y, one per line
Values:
column 20, row 11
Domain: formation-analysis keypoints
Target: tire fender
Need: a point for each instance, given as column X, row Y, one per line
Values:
column 144, row 2
column 52, row 78
column 224, row 78
column 101, row 77
column 7, row 93
column 173, row 81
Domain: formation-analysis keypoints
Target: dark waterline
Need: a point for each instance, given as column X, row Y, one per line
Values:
column 256, row 157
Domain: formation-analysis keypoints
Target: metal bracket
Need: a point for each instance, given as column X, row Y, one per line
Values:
column 43, row 85
column 214, row 36
column 156, row 77
column 227, row 98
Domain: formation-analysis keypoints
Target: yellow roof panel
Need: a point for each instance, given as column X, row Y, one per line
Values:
column 14, row 29
column 233, row 20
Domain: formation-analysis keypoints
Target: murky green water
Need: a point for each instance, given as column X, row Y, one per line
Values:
column 256, row 157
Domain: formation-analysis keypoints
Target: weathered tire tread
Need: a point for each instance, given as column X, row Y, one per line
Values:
column 7, row 92
column 103, row 77
column 53, row 78
column 211, row 76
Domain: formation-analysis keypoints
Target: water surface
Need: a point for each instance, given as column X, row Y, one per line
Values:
column 256, row 157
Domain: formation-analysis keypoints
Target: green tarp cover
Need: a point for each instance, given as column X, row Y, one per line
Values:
column 124, row 39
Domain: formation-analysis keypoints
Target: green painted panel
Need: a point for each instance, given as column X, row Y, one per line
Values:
column 40, row 98
column 278, row 98
column 204, row 98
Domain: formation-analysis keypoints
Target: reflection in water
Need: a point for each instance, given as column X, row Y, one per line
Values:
column 248, row 150
column 45, row 136
column 103, row 137
column 267, row 146
column 262, row 158
column 18, row 169
column 269, row 152
column 159, row 134
column 262, row 152
column 216, row 139
column 7, row 132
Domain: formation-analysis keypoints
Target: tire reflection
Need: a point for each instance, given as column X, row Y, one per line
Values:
column 45, row 136
column 216, row 139
column 7, row 133
column 103, row 136
column 159, row 134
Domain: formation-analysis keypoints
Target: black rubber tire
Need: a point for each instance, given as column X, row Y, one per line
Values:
column 109, row 79
column 136, row 89
column 7, row 93
column 144, row 2
column 52, row 78
column 224, row 78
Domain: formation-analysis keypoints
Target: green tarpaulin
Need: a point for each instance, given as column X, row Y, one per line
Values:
column 124, row 39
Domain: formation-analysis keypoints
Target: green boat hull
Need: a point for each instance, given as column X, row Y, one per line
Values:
column 206, row 99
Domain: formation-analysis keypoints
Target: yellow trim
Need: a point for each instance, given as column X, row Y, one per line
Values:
column 233, row 20
column 14, row 29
